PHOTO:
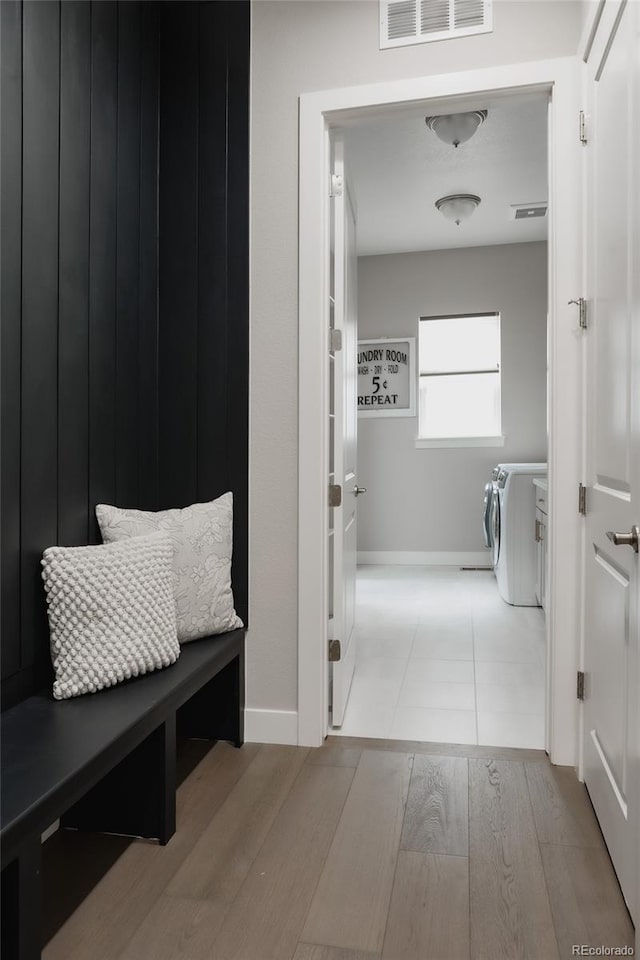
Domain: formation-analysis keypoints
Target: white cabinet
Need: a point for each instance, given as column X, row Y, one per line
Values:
column 540, row 533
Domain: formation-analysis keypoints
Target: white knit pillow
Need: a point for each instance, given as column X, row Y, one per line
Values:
column 202, row 538
column 111, row 612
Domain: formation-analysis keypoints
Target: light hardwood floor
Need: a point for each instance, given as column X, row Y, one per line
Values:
column 361, row 850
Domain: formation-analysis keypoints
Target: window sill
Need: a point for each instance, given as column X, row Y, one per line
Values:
column 424, row 442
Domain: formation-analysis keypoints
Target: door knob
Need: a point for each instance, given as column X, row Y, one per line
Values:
column 358, row 490
column 626, row 539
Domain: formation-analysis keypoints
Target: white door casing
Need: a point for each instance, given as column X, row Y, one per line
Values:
column 343, row 428
column 612, row 380
column 327, row 109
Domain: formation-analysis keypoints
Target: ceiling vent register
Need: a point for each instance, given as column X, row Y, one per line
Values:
column 528, row 211
column 403, row 22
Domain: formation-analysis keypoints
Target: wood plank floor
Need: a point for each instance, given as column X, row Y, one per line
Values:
column 360, row 850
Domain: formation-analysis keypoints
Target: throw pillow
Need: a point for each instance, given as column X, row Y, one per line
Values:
column 202, row 538
column 111, row 612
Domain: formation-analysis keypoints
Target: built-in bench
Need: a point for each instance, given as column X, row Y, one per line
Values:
column 106, row 762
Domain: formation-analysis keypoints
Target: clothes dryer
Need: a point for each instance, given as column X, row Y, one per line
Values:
column 491, row 511
column 513, row 531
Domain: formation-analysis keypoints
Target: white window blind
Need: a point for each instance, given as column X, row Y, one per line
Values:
column 459, row 386
column 420, row 21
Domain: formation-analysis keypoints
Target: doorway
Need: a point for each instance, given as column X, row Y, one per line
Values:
column 319, row 112
column 446, row 652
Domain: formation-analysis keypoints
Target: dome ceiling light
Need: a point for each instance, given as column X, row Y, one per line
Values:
column 456, row 128
column 458, row 206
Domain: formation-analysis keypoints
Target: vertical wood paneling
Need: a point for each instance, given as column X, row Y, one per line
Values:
column 124, row 150
column 73, row 333
column 39, row 488
column 204, row 276
column 148, row 266
column 127, row 253
column 11, row 297
column 213, row 317
column 102, row 256
column 237, row 16
column 178, row 255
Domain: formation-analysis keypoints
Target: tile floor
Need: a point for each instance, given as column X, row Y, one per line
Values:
column 442, row 657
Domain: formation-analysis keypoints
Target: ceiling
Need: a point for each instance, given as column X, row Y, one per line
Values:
column 398, row 168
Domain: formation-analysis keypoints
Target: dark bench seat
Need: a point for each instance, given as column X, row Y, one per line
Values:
column 106, row 762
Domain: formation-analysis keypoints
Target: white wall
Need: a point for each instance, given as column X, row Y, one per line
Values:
column 431, row 499
column 299, row 46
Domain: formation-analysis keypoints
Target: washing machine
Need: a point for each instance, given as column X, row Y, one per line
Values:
column 513, row 511
column 491, row 511
column 490, row 491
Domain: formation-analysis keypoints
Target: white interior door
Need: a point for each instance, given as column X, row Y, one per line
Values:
column 343, row 438
column 611, row 718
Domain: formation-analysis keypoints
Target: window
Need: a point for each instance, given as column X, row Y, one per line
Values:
column 459, row 394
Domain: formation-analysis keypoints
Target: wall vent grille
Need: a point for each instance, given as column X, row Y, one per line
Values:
column 403, row 22
column 528, row 211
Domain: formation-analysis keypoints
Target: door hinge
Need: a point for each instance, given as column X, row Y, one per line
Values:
column 335, row 651
column 582, row 499
column 336, row 185
column 335, row 340
column 582, row 127
column 580, row 685
column 581, row 304
column 335, row 495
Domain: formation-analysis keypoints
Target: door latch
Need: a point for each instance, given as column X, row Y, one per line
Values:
column 335, row 340
column 335, row 495
column 336, row 185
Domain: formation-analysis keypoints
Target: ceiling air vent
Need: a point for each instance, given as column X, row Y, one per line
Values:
column 420, row 21
column 528, row 211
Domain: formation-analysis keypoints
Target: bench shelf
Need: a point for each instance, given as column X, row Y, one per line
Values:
column 106, row 762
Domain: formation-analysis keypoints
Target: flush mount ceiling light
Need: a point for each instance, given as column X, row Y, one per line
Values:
column 458, row 206
column 456, row 128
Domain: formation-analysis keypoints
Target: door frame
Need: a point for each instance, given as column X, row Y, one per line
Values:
column 319, row 111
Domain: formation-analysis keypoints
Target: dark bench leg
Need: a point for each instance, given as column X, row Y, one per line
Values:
column 216, row 711
column 21, row 904
column 138, row 797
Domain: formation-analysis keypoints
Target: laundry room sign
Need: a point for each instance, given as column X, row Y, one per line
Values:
column 387, row 377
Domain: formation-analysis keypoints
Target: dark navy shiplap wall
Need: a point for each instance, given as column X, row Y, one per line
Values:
column 124, row 280
column 204, row 266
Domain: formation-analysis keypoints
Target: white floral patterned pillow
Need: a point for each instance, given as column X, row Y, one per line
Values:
column 202, row 539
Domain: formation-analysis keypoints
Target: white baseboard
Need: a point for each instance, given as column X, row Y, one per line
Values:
column 436, row 558
column 271, row 726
